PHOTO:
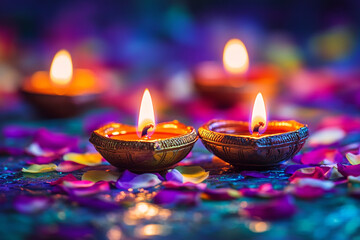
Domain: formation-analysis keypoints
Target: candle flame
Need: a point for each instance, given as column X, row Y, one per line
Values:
column 61, row 70
column 258, row 116
column 235, row 57
column 146, row 122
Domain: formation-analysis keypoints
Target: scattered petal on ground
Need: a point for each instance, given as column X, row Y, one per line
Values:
column 101, row 175
column 194, row 174
column 130, row 180
column 88, row 159
column 36, row 168
column 68, row 166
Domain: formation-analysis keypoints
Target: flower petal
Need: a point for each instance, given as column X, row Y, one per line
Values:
column 36, row 168
column 324, row 184
column 322, row 156
column 220, row 194
column 77, row 184
column 50, row 141
column 291, row 169
column 88, row 159
column 86, row 189
column 174, row 175
column 170, row 197
column 312, row 172
column 270, row 210
column 133, row 181
column 31, row 204
column 42, row 160
column 349, row 170
column 68, row 166
column 100, row 175
column 353, row 158
column 194, row 174
column 68, row 178
column 326, row 136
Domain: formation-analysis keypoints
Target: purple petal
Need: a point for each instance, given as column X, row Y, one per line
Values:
column 184, row 186
column 31, row 204
column 68, row 166
column 293, row 168
column 169, row 197
column 50, row 141
column 349, row 170
column 95, row 203
column 68, row 177
column 131, row 180
column 174, row 175
column 270, row 210
column 221, row 194
column 254, row 174
column 16, row 131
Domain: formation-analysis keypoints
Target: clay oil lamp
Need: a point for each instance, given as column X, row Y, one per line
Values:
column 256, row 144
column 62, row 92
column 149, row 147
column 225, row 85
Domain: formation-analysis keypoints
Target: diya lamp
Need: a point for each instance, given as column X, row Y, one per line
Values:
column 64, row 91
column 149, row 147
column 260, row 143
column 226, row 85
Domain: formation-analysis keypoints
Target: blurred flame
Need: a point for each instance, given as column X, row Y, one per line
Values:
column 258, row 114
column 146, row 114
column 235, row 57
column 61, row 70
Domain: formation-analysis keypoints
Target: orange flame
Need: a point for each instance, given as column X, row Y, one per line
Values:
column 61, row 70
column 146, row 120
column 258, row 116
column 235, row 57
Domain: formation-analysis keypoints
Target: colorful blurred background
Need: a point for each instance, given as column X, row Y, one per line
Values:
column 138, row 44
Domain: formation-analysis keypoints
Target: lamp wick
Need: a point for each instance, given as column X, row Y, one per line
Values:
column 257, row 126
column 145, row 130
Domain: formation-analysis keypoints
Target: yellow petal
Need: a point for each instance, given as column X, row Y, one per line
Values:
column 88, row 159
column 100, row 175
column 353, row 159
column 194, row 174
column 40, row 168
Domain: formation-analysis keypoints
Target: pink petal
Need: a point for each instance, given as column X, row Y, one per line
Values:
column 170, row 197
column 322, row 156
column 327, row 136
column 68, row 178
column 68, row 166
column 77, row 184
column 98, row 187
column 314, row 172
column 31, row 204
column 270, row 210
column 42, row 160
column 347, row 123
column 349, row 170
